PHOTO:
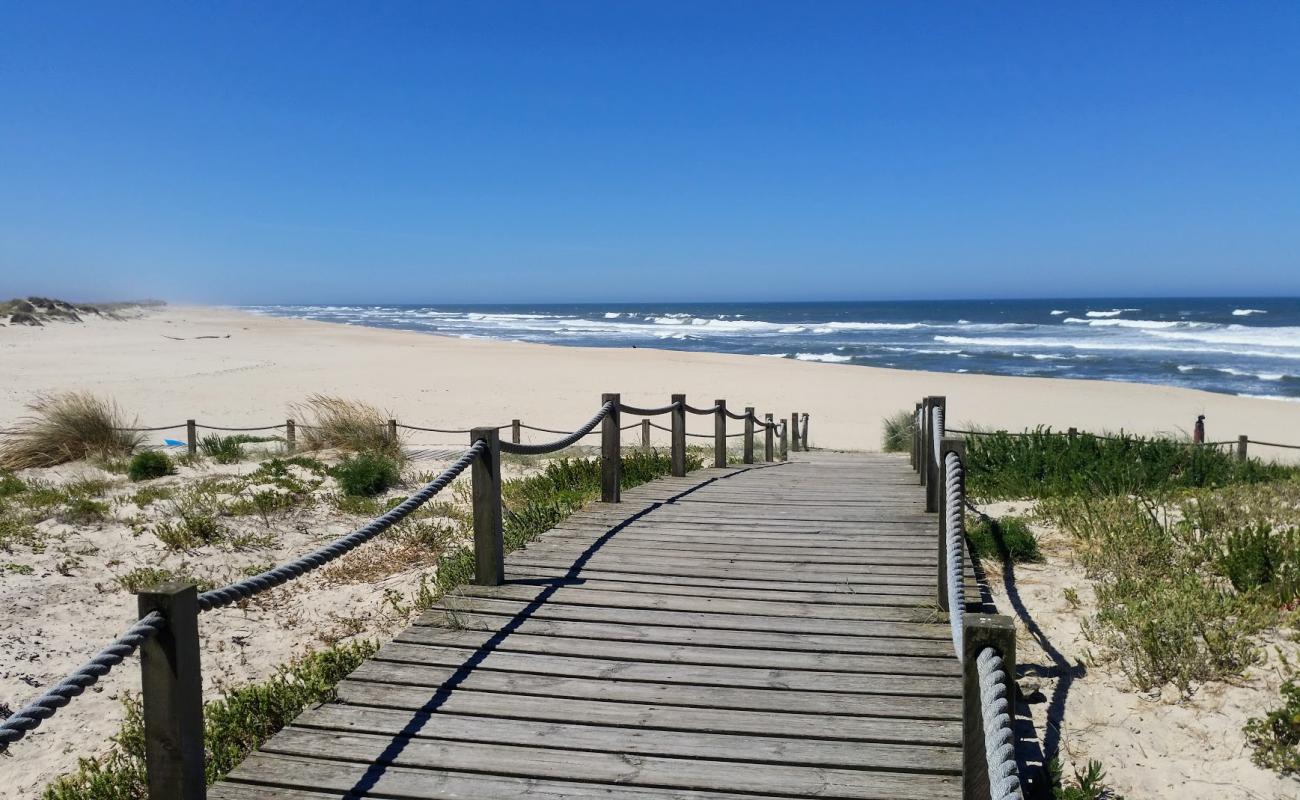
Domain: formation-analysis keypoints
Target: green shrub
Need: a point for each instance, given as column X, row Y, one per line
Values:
column 222, row 449
column 149, row 464
column 900, row 427
column 1007, row 539
column 1275, row 737
column 1258, row 558
column 151, row 494
column 66, row 427
column 83, row 511
column 10, row 485
column 366, row 474
column 1087, row 784
column 233, row 726
column 1041, row 463
column 193, row 518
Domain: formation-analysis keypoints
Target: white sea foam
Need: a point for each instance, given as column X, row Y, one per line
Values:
column 1284, row 338
column 1143, row 324
column 831, row 358
column 1114, row 312
column 612, row 315
column 1056, row 312
column 1246, row 312
column 1092, row 344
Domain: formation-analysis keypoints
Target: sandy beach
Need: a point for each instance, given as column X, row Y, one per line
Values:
column 226, row 367
column 158, row 369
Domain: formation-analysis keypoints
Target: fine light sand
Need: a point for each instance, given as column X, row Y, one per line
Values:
column 64, row 603
column 266, row 364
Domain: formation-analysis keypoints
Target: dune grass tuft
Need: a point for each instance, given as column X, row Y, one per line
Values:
column 66, row 427
column 330, row 422
column 899, row 429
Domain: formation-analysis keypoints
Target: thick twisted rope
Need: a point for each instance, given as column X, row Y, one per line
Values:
column 240, row 430
column 936, row 419
column 734, row 415
column 999, row 739
column 647, row 412
column 955, row 527
column 701, row 411
column 242, row 590
column 42, row 708
column 150, row 430
column 564, row 441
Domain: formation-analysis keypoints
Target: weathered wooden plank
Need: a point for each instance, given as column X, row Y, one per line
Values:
column 767, row 748
column 653, row 652
column 648, row 771
column 474, row 704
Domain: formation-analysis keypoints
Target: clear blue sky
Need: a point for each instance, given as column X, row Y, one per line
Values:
column 478, row 151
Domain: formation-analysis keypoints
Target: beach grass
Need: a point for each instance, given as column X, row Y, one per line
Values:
column 331, row 422
column 899, row 428
column 66, row 427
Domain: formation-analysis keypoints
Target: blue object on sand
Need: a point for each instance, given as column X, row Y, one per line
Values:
column 173, row 443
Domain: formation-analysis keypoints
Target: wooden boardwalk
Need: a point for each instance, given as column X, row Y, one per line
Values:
column 738, row 633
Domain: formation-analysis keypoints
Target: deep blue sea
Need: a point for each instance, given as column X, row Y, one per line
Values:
column 1245, row 346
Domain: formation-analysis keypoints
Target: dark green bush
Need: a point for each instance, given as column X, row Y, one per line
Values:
column 1259, row 558
column 1006, row 538
column 149, row 464
column 222, row 449
column 1041, row 463
column 366, row 474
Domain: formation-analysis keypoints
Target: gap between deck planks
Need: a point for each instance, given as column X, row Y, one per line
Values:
column 747, row 632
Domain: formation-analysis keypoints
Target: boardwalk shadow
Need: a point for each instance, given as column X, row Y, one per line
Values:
column 570, row 577
column 1034, row 755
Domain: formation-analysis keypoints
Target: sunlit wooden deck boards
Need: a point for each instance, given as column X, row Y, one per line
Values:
column 738, row 633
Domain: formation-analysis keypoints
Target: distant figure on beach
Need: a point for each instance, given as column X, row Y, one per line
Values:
column 1198, row 432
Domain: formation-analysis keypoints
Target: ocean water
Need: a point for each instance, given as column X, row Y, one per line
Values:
column 1238, row 346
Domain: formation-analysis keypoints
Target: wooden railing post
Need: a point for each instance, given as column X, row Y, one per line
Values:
column 803, row 437
column 749, row 434
column 172, row 693
column 679, row 436
column 768, row 433
column 192, row 436
column 392, row 430
column 916, row 439
column 1242, row 443
column 785, row 441
column 485, row 491
column 932, row 482
column 514, row 431
column 611, row 451
column 645, row 433
column 720, row 433
column 794, row 431
column 921, row 459
column 290, row 435
column 950, row 444
column 978, row 632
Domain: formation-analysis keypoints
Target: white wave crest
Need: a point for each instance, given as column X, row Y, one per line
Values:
column 1114, row 312
column 830, row 358
column 1246, row 312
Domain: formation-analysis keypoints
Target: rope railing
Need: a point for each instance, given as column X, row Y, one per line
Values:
column 176, row 607
column 701, row 411
column 28, row 718
column 563, row 442
column 647, row 412
column 984, row 644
